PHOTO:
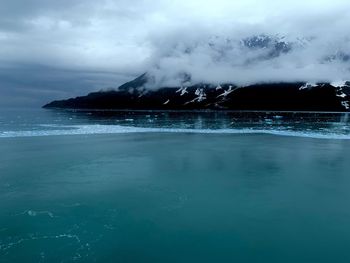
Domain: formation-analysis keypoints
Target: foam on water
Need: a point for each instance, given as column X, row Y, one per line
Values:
column 60, row 130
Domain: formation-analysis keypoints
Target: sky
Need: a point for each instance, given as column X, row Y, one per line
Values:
column 59, row 49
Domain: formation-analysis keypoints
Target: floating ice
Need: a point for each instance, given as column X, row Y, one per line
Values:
column 118, row 129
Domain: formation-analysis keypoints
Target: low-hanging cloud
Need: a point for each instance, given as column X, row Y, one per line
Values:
column 211, row 41
column 270, row 58
column 295, row 43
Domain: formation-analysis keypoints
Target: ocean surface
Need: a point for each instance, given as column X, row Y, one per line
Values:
column 114, row 186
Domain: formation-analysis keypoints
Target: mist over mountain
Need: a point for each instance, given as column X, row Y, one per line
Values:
column 258, row 72
column 249, row 60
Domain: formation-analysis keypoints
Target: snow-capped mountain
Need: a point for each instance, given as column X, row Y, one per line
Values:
column 153, row 90
column 135, row 95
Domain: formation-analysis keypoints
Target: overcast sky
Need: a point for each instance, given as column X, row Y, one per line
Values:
column 52, row 49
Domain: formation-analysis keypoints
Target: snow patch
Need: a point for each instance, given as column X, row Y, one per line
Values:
column 346, row 104
column 182, row 91
column 226, row 92
column 308, row 86
column 339, row 84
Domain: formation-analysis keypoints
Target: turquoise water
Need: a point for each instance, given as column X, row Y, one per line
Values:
column 174, row 187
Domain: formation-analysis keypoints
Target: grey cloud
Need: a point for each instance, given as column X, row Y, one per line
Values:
column 86, row 45
column 35, row 85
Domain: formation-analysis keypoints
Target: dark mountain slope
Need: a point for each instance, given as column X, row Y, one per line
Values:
column 277, row 97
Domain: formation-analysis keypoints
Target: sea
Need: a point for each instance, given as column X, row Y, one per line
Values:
column 152, row 186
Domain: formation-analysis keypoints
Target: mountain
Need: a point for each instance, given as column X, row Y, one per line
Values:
column 134, row 95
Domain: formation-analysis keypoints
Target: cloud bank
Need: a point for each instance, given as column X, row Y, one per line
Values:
column 73, row 47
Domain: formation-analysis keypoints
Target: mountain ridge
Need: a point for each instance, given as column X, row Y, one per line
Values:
column 297, row 96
